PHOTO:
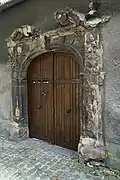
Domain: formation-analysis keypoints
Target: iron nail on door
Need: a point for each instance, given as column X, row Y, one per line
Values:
column 43, row 81
column 44, row 94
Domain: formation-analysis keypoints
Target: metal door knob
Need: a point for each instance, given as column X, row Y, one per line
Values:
column 39, row 107
column 68, row 111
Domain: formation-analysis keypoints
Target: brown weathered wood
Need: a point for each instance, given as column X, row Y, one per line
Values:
column 40, row 97
column 55, row 115
column 67, row 97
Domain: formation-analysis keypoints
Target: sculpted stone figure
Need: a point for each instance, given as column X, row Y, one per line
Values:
column 67, row 17
column 93, row 9
column 24, row 31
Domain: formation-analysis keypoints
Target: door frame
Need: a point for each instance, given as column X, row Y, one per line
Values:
column 77, row 40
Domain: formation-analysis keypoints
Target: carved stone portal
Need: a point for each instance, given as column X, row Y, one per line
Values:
column 27, row 42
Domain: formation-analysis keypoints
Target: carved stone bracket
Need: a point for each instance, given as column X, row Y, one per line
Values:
column 69, row 17
column 101, row 78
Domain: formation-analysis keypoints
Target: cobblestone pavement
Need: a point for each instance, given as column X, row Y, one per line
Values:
column 36, row 160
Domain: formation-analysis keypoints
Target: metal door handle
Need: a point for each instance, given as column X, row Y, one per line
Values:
column 39, row 107
column 68, row 111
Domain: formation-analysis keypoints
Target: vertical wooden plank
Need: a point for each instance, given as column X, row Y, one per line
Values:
column 73, row 101
column 78, row 89
column 55, row 98
column 62, row 96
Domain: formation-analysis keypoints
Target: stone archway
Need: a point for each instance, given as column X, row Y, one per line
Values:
column 28, row 42
column 22, row 56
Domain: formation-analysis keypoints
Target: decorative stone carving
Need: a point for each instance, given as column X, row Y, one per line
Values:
column 24, row 31
column 16, row 43
column 93, row 9
column 19, row 50
column 67, row 17
column 17, row 111
column 96, row 21
column 101, row 78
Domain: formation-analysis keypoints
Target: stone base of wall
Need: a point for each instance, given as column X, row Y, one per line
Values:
column 18, row 132
column 12, row 131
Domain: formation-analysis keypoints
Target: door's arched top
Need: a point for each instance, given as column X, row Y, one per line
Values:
column 28, row 42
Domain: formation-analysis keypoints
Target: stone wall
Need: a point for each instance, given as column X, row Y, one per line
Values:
column 93, row 83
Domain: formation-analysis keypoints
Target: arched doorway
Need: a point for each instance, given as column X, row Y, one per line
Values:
column 54, row 99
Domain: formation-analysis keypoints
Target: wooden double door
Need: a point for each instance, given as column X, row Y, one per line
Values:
column 54, row 99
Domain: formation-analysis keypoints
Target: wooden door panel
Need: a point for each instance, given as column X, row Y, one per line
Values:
column 40, row 97
column 66, row 100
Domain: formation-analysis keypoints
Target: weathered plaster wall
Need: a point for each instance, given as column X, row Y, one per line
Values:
column 5, row 99
column 111, row 42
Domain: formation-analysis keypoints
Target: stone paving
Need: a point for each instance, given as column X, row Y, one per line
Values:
column 37, row 160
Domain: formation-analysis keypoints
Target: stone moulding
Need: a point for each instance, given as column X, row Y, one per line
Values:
column 68, row 16
column 27, row 42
